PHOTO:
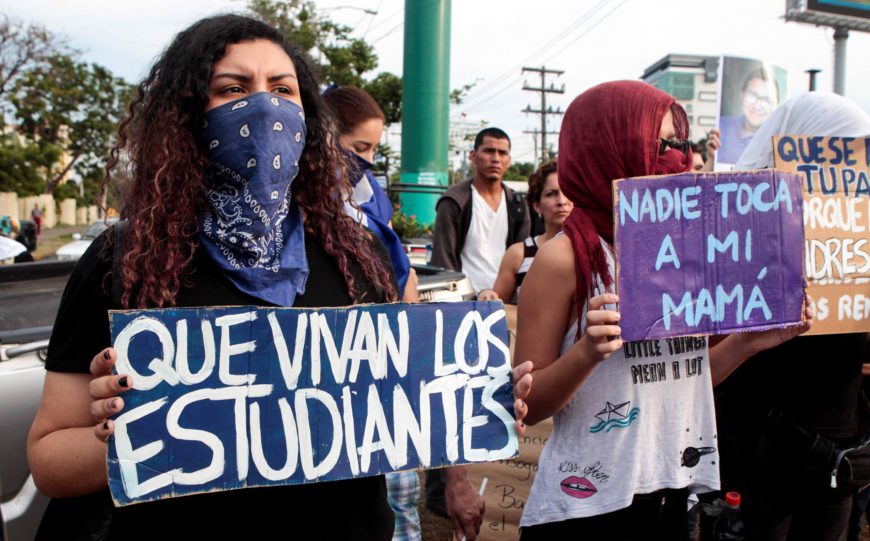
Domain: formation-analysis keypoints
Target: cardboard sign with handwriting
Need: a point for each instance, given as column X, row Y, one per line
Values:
column 233, row 397
column 713, row 253
column 836, row 193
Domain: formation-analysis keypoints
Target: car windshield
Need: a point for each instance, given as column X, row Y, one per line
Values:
column 94, row 230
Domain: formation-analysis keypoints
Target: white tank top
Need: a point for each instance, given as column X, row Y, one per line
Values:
column 642, row 421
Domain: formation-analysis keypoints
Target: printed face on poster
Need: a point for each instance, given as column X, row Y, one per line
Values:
column 708, row 254
column 236, row 397
column 749, row 90
column 836, row 192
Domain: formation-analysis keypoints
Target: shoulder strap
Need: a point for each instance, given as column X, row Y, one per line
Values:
column 117, row 261
column 464, row 220
column 517, row 204
column 530, row 247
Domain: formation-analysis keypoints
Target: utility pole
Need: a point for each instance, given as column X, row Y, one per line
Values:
column 544, row 111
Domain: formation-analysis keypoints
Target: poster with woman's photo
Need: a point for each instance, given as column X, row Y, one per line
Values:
column 749, row 91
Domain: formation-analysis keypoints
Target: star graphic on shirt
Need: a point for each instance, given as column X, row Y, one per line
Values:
column 612, row 411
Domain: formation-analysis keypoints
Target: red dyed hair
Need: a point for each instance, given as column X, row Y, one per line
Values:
column 609, row 132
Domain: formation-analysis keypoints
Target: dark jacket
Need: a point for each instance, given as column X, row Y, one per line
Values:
column 453, row 219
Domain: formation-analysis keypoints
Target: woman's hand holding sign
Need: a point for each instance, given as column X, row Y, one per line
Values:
column 733, row 350
column 756, row 342
column 104, row 389
column 601, row 338
column 522, row 376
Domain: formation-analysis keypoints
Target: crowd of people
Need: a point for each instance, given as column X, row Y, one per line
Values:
column 178, row 246
column 568, row 326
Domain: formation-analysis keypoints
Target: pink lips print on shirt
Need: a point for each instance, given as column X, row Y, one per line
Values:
column 578, row 487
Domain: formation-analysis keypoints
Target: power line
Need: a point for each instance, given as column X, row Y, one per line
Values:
column 599, row 21
column 572, row 27
column 384, row 20
column 492, row 92
column 488, row 98
column 393, row 29
column 496, row 82
column 372, row 20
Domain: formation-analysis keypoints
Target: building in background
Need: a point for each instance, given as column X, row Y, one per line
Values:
column 693, row 80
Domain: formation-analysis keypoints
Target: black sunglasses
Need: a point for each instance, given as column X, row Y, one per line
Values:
column 677, row 144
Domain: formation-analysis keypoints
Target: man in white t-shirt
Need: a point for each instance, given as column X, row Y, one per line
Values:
column 476, row 221
column 479, row 218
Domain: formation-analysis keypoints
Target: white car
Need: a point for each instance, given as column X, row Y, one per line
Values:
column 24, row 336
column 73, row 251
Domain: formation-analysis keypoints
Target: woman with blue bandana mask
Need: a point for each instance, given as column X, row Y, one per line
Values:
column 236, row 197
column 360, row 121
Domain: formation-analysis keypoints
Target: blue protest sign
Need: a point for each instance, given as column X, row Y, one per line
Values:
column 709, row 254
column 235, row 397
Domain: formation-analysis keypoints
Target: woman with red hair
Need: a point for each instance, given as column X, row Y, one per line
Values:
column 627, row 444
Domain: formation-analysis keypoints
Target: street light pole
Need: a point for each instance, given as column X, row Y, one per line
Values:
column 841, row 34
column 812, row 73
column 425, row 107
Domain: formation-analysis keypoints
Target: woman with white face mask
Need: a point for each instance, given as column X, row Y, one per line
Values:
column 360, row 122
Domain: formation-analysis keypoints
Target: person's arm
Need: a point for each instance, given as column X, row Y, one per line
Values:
column 66, row 448
column 729, row 353
column 445, row 234
column 506, row 280
column 465, row 505
column 411, row 294
column 65, row 458
column 713, row 145
column 544, row 314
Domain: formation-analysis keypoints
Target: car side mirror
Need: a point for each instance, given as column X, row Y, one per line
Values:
column 77, row 236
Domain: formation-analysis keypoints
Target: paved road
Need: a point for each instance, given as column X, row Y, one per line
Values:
column 52, row 239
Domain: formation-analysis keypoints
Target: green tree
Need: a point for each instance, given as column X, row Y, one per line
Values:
column 71, row 109
column 459, row 94
column 336, row 55
column 22, row 164
column 519, row 171
column 386, row 89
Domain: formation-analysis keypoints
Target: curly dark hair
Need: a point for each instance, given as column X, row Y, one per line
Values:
column 168, row 167
column 537, row 181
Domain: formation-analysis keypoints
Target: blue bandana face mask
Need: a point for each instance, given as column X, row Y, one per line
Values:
column 376, row 213
column 251, row 228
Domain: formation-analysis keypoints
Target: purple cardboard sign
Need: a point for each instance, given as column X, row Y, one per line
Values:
column 709, row 254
